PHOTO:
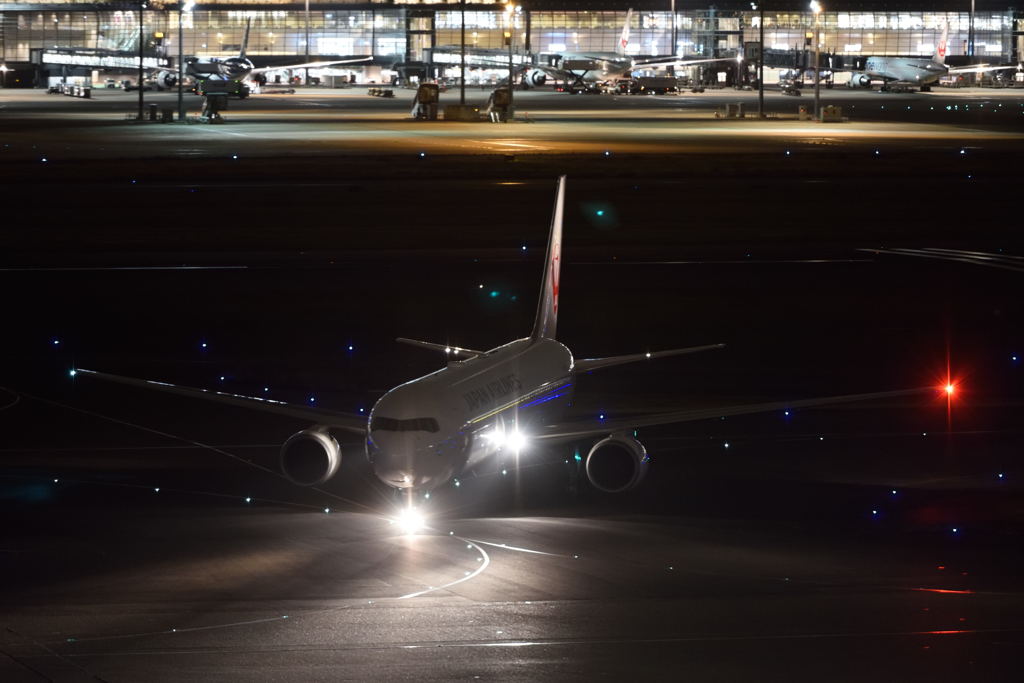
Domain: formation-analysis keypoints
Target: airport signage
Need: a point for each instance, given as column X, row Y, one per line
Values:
column 101, row 61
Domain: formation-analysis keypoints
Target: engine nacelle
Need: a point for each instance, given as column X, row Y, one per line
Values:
column 165, row 80
column 859, row 81
column 535, row 78
column 310, row 457
column 617, row 463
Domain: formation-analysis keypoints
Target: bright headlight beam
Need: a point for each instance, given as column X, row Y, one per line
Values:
column 410, row 521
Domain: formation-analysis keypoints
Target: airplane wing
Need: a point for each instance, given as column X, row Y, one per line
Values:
column 665, row 63
column 980, row 68
column 310, row 65
column 588, row 364
column 348, row 422
column 462, row 353
column 585, row 428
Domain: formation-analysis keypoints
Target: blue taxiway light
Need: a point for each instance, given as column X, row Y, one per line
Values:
column 312, row 399
column 56, row 342
column 351, row 348
column 73, row 373
column 494, row 293
column 600, row 212
column 1000, row 475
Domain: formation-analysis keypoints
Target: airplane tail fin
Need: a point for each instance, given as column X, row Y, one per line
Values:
column 940, row 50
column 547, row 306
column 624, row 37
column 245, row 37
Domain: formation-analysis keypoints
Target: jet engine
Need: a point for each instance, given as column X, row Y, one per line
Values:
column 310, row 457
column 535, row 78
column 165, row 80
column 617, row 463
column 859, row 81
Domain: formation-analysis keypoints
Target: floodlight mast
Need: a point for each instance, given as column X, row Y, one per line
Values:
column 759, row 6
column 142, row 46
column 817, row 8
column 510, row 13
column 462, row 54
column 188, row 6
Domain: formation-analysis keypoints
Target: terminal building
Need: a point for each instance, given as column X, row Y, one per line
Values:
column 43, row 40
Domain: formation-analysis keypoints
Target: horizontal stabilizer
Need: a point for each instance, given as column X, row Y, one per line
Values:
column 453, row 351
column 345, row 421
column 588, row 364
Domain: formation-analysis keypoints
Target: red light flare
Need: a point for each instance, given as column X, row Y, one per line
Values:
column 943, row 590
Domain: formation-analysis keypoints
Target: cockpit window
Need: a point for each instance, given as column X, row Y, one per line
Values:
column 415, row 424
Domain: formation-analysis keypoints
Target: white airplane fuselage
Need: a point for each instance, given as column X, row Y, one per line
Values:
column 915, row 71
column 424, row 432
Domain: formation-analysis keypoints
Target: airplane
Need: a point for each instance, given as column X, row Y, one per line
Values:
column 901, row 74
column 426, row 432
column 230, row 73
column 578, row 69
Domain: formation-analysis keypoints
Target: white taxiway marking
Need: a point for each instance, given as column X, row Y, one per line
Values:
column 504, row 546
column 976, row 258
column 479, row 570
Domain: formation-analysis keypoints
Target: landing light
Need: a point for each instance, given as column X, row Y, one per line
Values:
column 410, row 521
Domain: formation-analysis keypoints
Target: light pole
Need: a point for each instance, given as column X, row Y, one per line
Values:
column 307, row 37
column 970, row 36
column 462, row 55
column 142, row 46
column 510, row 14
column 188, row 7
column 759, row 6
column 817, row 8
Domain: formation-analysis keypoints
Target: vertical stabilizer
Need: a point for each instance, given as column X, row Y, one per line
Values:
column 620, row 49
column 940, row 50
column 547, row 306
column 245, row 37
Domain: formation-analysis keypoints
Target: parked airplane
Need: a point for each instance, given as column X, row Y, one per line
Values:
column 900, row 74
column 422, row 434
column 580, row 68
column 234, row 71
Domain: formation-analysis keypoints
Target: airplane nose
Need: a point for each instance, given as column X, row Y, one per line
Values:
column 393, row 463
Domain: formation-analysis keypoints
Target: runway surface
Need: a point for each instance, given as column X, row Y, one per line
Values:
column 262, row 594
